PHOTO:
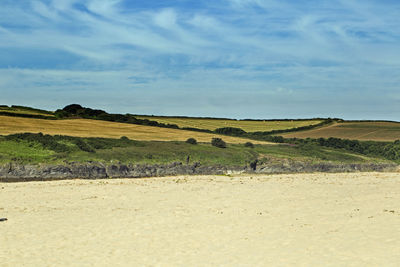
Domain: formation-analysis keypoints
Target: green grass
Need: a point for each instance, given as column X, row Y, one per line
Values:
column 311, row 153
column 44, row 149
column 166, row 152
column 23, row 151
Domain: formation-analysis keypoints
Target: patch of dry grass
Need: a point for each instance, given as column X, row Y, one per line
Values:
column 248, row 126
column 96, row 128
column 23, row 111
column 364, row 131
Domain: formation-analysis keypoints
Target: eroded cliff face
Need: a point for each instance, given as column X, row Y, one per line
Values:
column 17, row 172
column 14, row 172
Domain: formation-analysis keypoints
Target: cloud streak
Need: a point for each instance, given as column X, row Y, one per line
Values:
column 229, row 49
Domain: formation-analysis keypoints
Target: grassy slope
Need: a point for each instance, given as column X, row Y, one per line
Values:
column 24, row 151
column 26, row 110
column 96, row 128
column 248, row 126
column 363, row 131
column 146, row 151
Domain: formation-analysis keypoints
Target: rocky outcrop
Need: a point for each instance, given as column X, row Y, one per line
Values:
column 13, row 172
column 301, row 167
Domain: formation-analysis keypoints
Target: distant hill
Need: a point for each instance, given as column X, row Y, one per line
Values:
column 255, row 129
column 310, row 139
column 97, row 128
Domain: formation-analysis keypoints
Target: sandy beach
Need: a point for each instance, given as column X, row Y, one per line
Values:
column 242, row 220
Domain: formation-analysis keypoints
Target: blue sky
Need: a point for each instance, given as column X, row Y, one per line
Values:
column 229, row 58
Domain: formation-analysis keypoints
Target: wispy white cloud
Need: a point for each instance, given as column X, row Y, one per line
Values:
column 234, row 47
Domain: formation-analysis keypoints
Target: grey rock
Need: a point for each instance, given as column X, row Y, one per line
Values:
column 14, row 172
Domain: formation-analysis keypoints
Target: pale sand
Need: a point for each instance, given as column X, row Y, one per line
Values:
column 278, row 220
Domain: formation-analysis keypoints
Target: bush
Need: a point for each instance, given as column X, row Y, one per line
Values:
column 124, row 138
column 47, row 141
column 218, row 142
column 82, row 145
column 60, row 114
column 191, row 141
column 230, row 131
column 73, row 108
column 249, row 144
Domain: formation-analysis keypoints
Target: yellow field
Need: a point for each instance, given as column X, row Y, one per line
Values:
column 95, row 128
column 23, row 111
column 373, row 131
column 248, row 126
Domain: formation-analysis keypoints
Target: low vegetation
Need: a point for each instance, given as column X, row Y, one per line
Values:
column 249, row 144
column 191, row 141
column 42, row 148
column 67, row 136
column 218, row 142
column 386, row 150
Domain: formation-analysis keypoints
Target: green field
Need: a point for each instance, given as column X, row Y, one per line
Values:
column 36, row 148
column 246, row 125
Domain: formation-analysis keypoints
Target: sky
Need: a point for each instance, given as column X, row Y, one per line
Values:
column 230, row 58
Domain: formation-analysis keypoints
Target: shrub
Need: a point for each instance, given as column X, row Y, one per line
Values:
column 60, row 114
column 73, row 108
column 218, row 142
column 230, row 131
column 191, row 141
column 124, row 138
column 98, row 143
column 249, row 144
column 47, row 141
column 82, row 145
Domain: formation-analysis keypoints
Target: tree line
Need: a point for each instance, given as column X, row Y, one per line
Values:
column 77, row 111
